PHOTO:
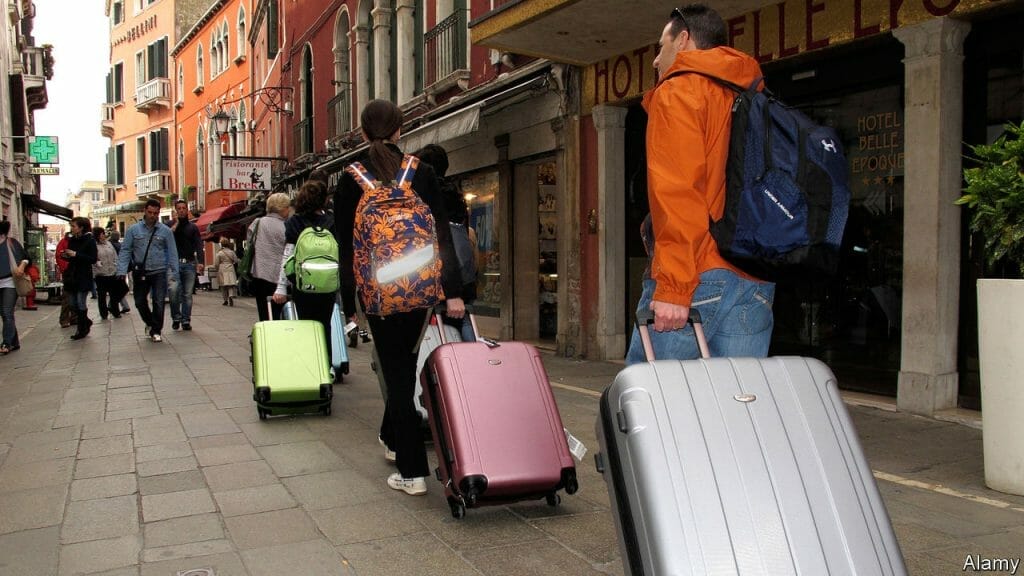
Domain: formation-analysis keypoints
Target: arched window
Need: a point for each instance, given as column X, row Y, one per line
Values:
column 243, row 130
column 364, row 53
column 181, row 165
column 213, row 157
column 214, row 56
column 200, row 72
column 201, row 169
column 233, row 134
column 180, row 86
column 241, row 31
column 225, row 40
column 304, row 136
column 341, row 105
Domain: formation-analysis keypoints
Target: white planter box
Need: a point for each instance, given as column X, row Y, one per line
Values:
column 1001, row 355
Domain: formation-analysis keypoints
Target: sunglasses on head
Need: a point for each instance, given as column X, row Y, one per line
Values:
column 677, row 13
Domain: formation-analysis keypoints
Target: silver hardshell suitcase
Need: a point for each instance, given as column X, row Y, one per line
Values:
column 740, row 466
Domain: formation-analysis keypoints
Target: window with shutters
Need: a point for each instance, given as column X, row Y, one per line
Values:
column 140, row 155
column 199, row 70
column 241, row 35
column 115, row 165
column 156, row 59
column 117, row 12
column 272, row 30
column 159, row 157
column 115, row 84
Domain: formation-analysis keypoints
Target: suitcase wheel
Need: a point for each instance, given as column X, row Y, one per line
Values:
column 553, row 499
column 458, row 510
column 437, row 474
column 569, row 481
column 326, row 410
column 262, row 413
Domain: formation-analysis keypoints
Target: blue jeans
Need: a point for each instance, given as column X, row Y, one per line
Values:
column 80, row 301
column 8, row 299
column 181, row 288
column 737, row 317
column 151, row 284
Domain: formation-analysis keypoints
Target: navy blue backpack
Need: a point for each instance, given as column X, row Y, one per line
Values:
column 787, row 189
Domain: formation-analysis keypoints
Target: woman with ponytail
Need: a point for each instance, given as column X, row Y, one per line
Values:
column 396, row 334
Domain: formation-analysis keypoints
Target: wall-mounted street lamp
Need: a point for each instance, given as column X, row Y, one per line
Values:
column 275, row 98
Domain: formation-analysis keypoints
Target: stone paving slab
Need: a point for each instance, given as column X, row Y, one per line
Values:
column 301, row 458
column 254, row 500
column 105, row 466
column 176, row 504
column 173, row 482
column 241, row 475
column 29, row 509
column 271, row 528
column 227, row 564
column 333, row 489
column 167, row 466
column 407, row 554
column 15, row 477
column 98, row 519
column 367, row 522
column 189, row 550
column 184, row 530
column 30, row 552
column 314, row 558
column 104, row 487
column 99, row 555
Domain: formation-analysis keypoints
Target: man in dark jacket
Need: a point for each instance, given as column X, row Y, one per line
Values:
column 81, row 255
column 190, row 251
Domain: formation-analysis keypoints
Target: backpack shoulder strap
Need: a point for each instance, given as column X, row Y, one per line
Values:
column 407, row 171
column 720, row 81
column 363, row 177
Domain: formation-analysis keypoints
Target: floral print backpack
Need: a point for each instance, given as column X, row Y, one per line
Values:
column 395, row 253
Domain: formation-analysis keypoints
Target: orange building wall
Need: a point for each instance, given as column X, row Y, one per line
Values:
column 226, row 89
column 134, row 34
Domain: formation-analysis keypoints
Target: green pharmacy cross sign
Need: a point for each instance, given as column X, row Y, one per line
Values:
column 43, row 150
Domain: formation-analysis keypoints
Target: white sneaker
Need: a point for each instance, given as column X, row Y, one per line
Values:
column 157, row 338
column 389, row 454
column 411, row 486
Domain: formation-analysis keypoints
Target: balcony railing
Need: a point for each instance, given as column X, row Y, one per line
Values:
column 107, row 120
column 445, row 49
column 302, row 136
column 339, row 115
column 156, row 92
column 153, row 183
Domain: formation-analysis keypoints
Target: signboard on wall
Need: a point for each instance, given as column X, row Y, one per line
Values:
column 245, row 173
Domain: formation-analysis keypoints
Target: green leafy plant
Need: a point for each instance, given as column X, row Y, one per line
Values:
column 995, row 193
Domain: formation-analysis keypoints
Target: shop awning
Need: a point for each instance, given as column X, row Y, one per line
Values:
column 448, row 127
column 235, row 226
column 213, row 215
column 134, row 206
column 37, row 204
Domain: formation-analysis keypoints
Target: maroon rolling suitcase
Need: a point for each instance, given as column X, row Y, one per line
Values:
column 496, row 427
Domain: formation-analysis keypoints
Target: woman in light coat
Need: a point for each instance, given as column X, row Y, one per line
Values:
column 269, row 251
column 225, row 262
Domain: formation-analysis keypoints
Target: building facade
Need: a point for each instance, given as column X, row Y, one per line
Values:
column 90, row 197
column 25, row 68
column 904, row 83
column 137, row 115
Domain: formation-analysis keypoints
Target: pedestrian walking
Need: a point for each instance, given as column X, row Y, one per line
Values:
column 81, row 255
column 104, row 275
column 67, row 310
column 115, row 241
column 396, row 334
column 266, row 235
column 225, row 263
column 32, row 271
column 149, row 247
column 13, row 261
column 182, row 285
column 686, row 190
column 310, row 212
column 462, row 234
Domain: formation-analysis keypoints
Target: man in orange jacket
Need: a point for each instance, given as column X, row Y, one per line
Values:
column 689, row 118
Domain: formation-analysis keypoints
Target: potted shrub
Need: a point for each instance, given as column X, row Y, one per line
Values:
column 995, row 193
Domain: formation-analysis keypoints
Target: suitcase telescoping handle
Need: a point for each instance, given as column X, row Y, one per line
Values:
column 442, row 308
column 645, row 318
column 288, row 313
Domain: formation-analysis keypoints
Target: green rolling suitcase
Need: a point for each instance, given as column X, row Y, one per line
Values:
column 290, row 368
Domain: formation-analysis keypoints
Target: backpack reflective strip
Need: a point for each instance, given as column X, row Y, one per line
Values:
column 405, row 265
column 318, row 266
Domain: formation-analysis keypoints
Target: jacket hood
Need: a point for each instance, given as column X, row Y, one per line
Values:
column 723, row 62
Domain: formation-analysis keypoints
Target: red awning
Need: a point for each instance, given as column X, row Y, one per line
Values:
column 213, row 215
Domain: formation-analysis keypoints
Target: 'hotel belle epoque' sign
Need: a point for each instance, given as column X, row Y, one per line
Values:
column 137, row 31
column 778, row 30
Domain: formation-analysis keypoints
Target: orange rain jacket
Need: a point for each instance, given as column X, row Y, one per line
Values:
column 689, row 117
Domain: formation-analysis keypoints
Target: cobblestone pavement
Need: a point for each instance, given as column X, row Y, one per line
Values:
column 122, row 457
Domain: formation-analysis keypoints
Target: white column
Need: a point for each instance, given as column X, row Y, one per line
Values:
column 382, row 72
column 610, row 122
column 933, row 132
column 406, row 51
column 362, row 42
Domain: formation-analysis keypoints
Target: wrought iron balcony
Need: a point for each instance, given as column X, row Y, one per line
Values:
column 107, row 120
column 446, row 50
column 156, row 92
column 153, row 183
column 339, row 116
column 302, row 137
column 36, row 65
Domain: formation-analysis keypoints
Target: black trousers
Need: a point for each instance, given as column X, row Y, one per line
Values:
column 262, row 290
column 316, row 307
column 109, row 295
column 396, row 337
